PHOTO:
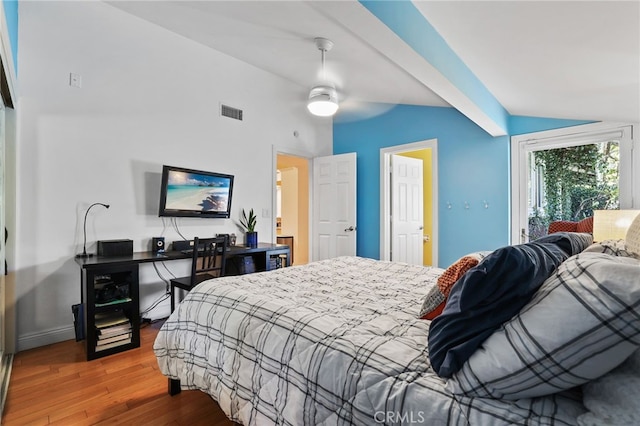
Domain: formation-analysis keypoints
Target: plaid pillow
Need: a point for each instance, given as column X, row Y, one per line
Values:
column 492, row 293
column 436, row 298
column 583, row 322
column 612, row 247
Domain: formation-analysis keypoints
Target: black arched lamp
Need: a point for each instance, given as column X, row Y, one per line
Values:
column 84, row 253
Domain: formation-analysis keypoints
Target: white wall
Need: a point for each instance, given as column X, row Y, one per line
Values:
column 148, row 98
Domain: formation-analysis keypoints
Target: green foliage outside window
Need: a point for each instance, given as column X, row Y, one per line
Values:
column 577, row 181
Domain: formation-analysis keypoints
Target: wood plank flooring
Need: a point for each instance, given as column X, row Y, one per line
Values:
column 55, row 385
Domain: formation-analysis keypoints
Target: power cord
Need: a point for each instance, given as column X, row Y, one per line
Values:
column 174, row 222
column 146, row 322
column 154, row 304
column 166, row 294
column 165, row 280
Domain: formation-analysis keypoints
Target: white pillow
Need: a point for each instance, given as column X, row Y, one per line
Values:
column 582, row 322
column 633, row 236
column 613, row 398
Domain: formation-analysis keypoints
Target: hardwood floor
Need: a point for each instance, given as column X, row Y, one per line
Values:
column 55, row 385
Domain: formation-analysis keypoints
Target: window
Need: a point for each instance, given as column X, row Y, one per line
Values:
column 565, row 174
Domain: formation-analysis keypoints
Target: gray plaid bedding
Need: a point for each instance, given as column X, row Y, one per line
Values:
column 334, row 342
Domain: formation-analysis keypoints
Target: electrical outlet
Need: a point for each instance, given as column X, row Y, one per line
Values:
column 75, row 80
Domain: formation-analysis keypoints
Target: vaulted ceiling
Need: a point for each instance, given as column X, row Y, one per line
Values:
column 489, row 59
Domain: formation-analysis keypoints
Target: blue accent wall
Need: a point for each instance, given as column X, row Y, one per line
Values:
column 11, row 16
column 473, row 167
column 519, row 125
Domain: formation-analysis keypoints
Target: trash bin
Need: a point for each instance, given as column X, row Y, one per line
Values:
column 78, row 320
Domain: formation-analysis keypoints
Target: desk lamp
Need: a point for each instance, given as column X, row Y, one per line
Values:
column 84, row 253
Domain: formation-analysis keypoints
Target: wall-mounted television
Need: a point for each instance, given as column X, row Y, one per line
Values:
column 195, row 193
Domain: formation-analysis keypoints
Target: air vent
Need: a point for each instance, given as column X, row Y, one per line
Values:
column 231, row 112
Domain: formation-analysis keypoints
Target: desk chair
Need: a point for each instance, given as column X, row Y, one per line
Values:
column 208, row 261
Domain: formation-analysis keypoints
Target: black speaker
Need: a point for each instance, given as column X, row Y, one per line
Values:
column 115, row 248
column 182, row 245
column 157, row 245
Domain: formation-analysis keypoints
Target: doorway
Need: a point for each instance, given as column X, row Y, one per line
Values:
column 292, row 205
column 427, row 152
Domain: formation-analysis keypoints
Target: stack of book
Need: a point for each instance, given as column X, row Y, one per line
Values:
column 112, row 329
column 277, row 262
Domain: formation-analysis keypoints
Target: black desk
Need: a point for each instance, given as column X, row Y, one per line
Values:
column 122, row 271
column 263, row 249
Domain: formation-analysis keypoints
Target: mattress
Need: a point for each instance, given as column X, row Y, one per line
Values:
column 334, row 342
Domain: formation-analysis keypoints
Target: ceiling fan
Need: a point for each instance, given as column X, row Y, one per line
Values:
column 323, row 98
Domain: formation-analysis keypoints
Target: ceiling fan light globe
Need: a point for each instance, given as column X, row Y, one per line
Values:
column 322, row 108
column 323, row 101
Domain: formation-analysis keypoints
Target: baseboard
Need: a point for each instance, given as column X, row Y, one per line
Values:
column 55, row 335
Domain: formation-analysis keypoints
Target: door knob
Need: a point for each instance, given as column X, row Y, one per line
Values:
column 350, row 229
column 420, row 228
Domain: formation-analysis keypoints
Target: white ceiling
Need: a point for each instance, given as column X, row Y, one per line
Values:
column 556, row 59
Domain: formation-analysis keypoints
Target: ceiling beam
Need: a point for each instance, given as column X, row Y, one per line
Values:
column 401, row 33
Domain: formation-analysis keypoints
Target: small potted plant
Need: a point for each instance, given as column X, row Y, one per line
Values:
column 248, row 222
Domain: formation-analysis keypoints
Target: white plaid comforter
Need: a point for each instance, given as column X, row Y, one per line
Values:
column 334, row 342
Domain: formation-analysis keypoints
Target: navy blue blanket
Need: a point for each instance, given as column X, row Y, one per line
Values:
column 492, row 293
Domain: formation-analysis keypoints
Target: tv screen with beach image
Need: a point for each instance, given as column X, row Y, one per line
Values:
column 197, row 192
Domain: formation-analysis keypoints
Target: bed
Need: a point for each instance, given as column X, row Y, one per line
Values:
column 340, row 341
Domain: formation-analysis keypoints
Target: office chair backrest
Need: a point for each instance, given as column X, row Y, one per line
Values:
column 209, row 257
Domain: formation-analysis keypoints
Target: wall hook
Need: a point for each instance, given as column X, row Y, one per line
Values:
column 449, row 206
column 466, row 205
column 486, row 204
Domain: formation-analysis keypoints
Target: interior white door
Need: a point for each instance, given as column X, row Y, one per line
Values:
column 407, row 210
column 334, row 206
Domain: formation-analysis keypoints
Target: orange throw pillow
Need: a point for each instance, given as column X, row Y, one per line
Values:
column 585, row 225
column 436, row 299
column 562, row 226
